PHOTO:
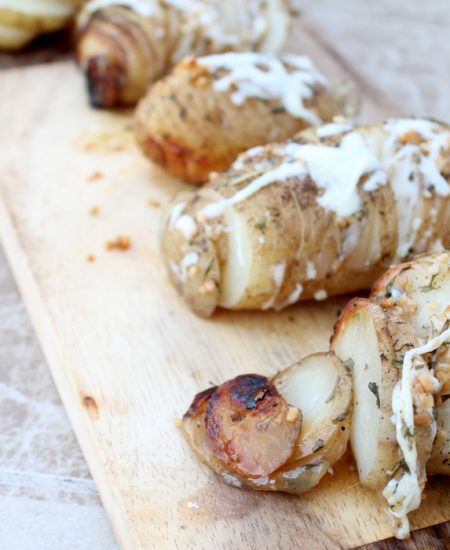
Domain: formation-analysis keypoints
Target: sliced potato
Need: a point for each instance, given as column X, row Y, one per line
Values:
column 439, row 462
column 244, row 429
column 421, row 288
column 36, row 15
column 250, row 427
column 14, row 38
column 362, row 339
column 321, row 387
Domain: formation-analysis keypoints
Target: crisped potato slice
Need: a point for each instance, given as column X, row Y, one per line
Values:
column 250, row 434
column 250, row 427
column 439, row 462
column 362, row 340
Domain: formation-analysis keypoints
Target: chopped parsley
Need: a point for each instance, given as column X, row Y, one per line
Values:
column 349, row 364
column 373, row 387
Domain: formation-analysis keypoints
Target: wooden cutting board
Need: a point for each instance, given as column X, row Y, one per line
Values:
column 127, row 355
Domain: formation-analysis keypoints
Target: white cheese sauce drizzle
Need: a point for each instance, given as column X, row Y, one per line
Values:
column 278, row 272
column 336, row 171
column 407, row 166
column 289, row 79
column 404, row 494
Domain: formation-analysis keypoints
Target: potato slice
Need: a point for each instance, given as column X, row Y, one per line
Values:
column 439, row 462
column 421, row 288
column 36, row 16
column 320, row 385
column 260, row 438
column 14, row 38
column 362, row 339
column 250, row 427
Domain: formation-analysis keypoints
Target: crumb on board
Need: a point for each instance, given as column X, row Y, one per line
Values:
column 122, row 243
column 90, row 258
column 177, row 422
column 95, row 176
column 94, row 210
column 153, row 203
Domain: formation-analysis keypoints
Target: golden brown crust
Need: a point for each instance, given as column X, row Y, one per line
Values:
column 193, row 130
column 250, row 427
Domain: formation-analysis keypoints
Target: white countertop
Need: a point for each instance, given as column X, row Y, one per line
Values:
column 47, row 498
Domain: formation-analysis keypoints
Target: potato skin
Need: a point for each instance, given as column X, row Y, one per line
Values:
column 192, row 130
column 247, row 427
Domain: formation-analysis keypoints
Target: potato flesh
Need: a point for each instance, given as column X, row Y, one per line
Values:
column 12, row 38
column 236, row 274
column 360, row 344
column 321, row 388
column 36, row 15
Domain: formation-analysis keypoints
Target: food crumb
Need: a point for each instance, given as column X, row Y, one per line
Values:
column 177, row 422
column 95, row 176
column 90, row 258
column 122, row 243
column 292, row 414
column 153, row 203
column 94, row 211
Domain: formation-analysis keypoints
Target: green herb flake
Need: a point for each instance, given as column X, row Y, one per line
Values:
column 277, row 110
column 261, row 224
column 208, row 269
column 349, row 364
column 389, row 289
column 373, row 387
column 432, row 285
column 408, row 431
column 341, row 417
column 319, row 444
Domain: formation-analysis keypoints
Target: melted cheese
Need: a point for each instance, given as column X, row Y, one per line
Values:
column 289, row 79
column 404, row 494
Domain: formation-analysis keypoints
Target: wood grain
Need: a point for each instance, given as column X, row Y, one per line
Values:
column 127, row 356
